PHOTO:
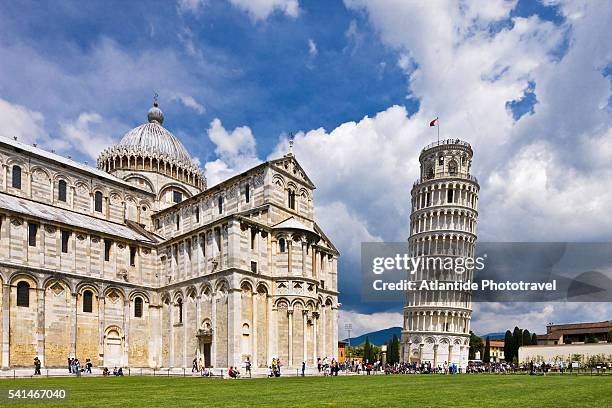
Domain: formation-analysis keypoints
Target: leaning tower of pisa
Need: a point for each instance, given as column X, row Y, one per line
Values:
column 442, row 225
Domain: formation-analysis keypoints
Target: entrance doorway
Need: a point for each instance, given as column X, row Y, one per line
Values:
column 113, row 350
column 204, row 348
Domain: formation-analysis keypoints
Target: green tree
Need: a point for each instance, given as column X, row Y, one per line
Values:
column 508, row 348
column 517, row 341
column 393, row 350
column 487, row 351
column 475, row 346
column 367, row 351
column 590, row 338
column 526, row 338
column 534, row 339
column 376, row 353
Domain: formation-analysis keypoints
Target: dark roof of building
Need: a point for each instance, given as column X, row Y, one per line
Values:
column 550, row 336
column 605, row 325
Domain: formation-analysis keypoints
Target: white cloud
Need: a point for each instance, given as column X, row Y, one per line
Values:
column 21, row 122
column 366, row 323
column 534, row 316
column 346, row 230
column 542, row 173
column 235, row 151
column 368, row 165
column 193, row 6
column 238, row 142
column 189, row 101
column 312, row 48
column 85, row 136
column 262, row 9
column 536, row 171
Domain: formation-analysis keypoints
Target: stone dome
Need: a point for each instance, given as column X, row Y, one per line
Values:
column 153, row 138
column 154, row 146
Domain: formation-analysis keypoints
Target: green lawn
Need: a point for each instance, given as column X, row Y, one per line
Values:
column 380, row 391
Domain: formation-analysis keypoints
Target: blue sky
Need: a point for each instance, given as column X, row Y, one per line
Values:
column 259, row 73
column 526, row 82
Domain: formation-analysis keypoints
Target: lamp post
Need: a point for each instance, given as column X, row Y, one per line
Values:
column 348, row 327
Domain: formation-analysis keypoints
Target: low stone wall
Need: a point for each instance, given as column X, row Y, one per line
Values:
column 564, row 352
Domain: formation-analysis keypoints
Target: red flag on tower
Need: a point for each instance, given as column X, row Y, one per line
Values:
column 437, row 125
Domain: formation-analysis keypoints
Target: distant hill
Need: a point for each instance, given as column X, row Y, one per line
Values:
column 377, row 337
column 494, row 336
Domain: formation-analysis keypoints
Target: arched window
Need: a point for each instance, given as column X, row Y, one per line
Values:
column 88, row 301
column 180, row 310
column 441, row 160
column 281, row 245
column 291, row 199
column 452, row 167
column 17, row 177
column 220, row 204
column 61, row 190
column 132, row 255
column 177, row 197
column 98, row 201
column 429, row 172
column 138, row 307
column 23, row 294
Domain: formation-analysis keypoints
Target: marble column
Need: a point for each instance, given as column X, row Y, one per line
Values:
column 254, row 330
column 435, row 357
column 40, row 340
column 213, row 321
column 73, row 323
column 290, row 316
column 305, row 334
column 315, row 348
column 6, row 298
column 126, row 331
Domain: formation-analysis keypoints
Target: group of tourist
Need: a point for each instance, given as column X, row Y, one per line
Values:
column 117, row 372
column 74, row 366
column 275, row 368
column 198, row 367
column 422, row 368
column 329, row 368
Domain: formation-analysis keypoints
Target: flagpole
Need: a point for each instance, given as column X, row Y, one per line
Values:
column 438, row 123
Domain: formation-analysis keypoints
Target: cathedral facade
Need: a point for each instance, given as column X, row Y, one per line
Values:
column 139, row 263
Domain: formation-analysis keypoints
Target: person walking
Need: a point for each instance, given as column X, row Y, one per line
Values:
column 37, row 366
column 247, row 366
column 303, row 368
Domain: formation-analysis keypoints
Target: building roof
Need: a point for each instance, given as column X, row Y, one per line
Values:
column 606, row 324
column 47, row 212
column 292, row 223
column 152, row 139
column 550, row 336
column 496, row 343
column 36, row 151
